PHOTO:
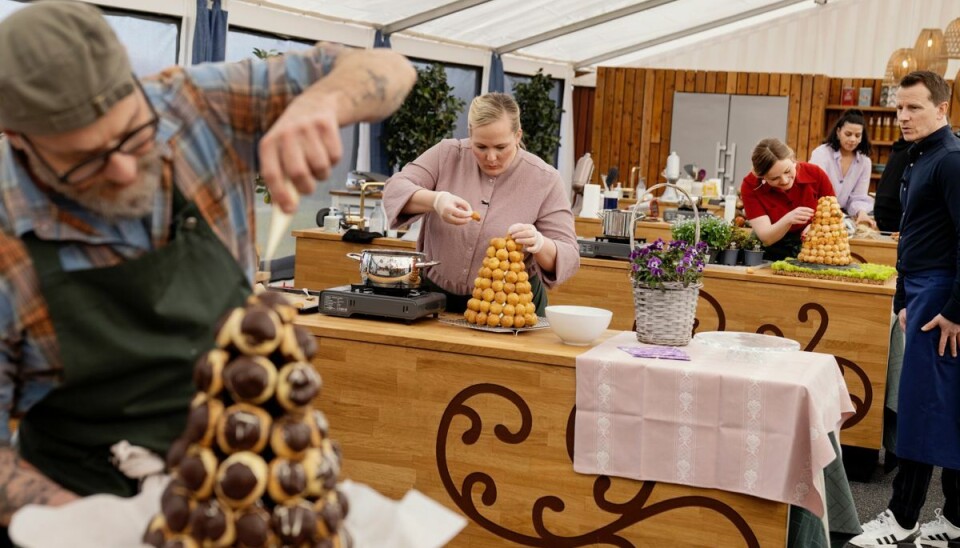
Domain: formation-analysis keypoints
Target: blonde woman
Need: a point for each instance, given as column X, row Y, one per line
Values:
column 514, row 192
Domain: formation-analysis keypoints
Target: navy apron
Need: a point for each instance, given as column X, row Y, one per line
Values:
column 129, row 335
column 928, row 414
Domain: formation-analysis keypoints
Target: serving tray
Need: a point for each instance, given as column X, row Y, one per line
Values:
column 542, row 323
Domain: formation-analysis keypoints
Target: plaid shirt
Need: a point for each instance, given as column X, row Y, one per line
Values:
column 212, row 117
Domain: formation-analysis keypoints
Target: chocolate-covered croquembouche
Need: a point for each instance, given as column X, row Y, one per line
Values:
column 255, row 466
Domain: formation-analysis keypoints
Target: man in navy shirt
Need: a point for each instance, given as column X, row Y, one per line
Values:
column 927, row 304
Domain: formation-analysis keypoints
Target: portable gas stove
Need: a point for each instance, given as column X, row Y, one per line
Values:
column 606, row 246
column 379, row 302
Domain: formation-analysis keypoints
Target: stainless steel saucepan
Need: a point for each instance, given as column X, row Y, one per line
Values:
column 390, row 268
column 616, row 223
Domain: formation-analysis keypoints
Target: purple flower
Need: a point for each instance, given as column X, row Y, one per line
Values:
column 656, row 272
column 653, row 262
column 681, row 269
column 657, row 245
column 678, row 244
column 636, row 267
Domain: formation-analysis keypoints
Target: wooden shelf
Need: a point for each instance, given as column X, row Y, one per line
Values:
column 875, row 176
column 882, row 143
column 864, row 109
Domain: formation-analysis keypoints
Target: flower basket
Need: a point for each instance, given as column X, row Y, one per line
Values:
column 665, row 315
column 666, row 285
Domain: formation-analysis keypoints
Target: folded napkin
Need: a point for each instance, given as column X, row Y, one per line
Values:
column 662, row 352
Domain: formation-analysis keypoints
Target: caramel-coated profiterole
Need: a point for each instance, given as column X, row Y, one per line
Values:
column 502, row 294
column 254, row 466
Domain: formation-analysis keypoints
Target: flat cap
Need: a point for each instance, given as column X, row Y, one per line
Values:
column 62, row 68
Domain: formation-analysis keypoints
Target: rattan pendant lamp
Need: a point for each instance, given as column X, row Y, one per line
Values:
column 901, row 63
column 930, row 51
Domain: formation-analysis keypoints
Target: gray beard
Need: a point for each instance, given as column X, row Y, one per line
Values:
column 135, row 201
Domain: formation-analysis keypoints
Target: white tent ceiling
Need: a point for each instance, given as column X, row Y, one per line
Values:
column 593, row 31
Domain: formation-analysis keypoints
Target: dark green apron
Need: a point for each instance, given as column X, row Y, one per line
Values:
column 788, row 246
column 129, row 335
column 458, row 303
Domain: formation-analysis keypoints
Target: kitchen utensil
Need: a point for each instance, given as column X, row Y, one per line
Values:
column 616, row 223
column 691, row 170
column 391, row 268
column 279, row 223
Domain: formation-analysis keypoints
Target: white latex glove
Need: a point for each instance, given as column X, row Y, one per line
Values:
column 452, row 208
column 528, row 236
column 136, row 462
column 120, row 522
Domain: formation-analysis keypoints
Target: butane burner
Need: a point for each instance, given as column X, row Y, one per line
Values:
column 606, row 246
column 365, row 300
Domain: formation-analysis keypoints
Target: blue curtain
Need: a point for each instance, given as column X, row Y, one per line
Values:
column 210, row 33
column 378, row 152
column 495, row 83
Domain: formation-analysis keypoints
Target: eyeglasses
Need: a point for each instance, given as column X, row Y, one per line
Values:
column 130, row 144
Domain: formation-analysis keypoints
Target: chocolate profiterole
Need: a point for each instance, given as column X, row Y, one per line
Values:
column 226, row 327
column 208, row 371
column 295, row 524
column 198, row 470
column 320, row 426
column 202, row 420
column 156, row 533
column 242, row 479
column 181, row 541
column 323, row 468
column 291, row 436
column 178, row 449
column 212, row 524
column 276, row 301
column 288, row 480
column 176, row 504
column 253, row 527
column 331, row 510
column 297, row 385
column 243, row 427
column 258, row 333
column 298, row 344
column 250, row 379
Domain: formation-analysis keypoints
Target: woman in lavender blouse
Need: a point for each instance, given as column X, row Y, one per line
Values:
column 515, row 193
column 845, row 156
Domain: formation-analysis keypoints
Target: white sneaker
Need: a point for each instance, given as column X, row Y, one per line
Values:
column 939, row 532
column 884, row 531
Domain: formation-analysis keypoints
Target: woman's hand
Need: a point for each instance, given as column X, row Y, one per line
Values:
column 527, row 236
column 864, row 219
column 799, row 216
column 452, row 208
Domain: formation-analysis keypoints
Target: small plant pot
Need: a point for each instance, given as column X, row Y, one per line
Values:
column 712, row 255
column 752, row 258
column 729, row 257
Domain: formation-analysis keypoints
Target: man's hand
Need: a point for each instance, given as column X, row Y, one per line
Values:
column 949, row 332
column 452, row 208
column 301, row 147
column 527, row 236
column 902, row 317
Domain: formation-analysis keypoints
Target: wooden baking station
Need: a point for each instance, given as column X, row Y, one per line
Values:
column 483, row 423
column 849, row 320
column 881, row 251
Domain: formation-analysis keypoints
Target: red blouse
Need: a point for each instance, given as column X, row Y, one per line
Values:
column 811, row 183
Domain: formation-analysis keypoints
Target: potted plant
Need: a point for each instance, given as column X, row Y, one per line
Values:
column 666, row 279
column 752, row 250
column 731, row 254
column 716, row 233
column 427, row 116
column 539, row 116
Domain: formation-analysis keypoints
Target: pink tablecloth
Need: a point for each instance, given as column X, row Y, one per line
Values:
column 739, row 423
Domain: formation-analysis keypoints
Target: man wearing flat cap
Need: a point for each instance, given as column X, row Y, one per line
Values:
column 126, row 227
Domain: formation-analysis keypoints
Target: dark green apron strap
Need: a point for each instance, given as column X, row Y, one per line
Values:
column 455, row 303
column 539, row 294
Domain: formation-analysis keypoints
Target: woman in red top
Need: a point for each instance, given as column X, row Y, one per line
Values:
column 780, row 196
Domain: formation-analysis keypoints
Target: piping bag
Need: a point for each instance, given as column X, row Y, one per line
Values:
column 279, row 223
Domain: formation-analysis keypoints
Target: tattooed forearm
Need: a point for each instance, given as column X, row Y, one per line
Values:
column 22, row 484
column 370, row 84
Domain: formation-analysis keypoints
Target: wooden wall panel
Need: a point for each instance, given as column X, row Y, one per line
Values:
column 583, row 98
column 631, row 112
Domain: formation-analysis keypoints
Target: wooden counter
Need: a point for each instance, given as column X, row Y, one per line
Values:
column 882, row 251
column 849, row 320
column 483, row 423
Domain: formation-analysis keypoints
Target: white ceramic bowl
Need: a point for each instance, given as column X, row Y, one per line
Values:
column 578, row 325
